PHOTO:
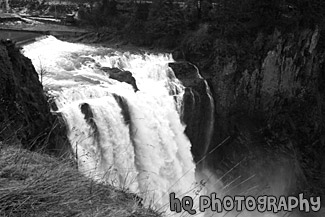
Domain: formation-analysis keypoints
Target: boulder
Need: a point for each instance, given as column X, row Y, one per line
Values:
column 121, row 75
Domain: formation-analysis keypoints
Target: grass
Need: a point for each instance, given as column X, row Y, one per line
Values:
column 35, row 184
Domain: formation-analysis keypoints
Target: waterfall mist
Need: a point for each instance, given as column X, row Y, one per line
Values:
column 130, row 139
column 133, row 140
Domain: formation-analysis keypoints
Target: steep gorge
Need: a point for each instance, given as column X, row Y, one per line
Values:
column 271, row 104
column 270, row 110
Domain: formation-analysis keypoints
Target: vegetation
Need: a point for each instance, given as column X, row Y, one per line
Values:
column 203, row 29
column 210, row 33
column 225, row 18
column 213, row 33
column 35, row 184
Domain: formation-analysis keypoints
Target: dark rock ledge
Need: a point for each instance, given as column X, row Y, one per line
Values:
column 24, row 111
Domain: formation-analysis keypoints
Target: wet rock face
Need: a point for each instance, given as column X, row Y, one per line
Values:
column 276, row 104
column 196, row 108
column 25, row 113
column 186, row 72
column 122, row 76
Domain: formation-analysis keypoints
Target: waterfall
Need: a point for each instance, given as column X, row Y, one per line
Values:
column 210, row 110
column 210, row 117
column 129, row 139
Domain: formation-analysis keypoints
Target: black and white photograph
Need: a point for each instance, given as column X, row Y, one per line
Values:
column 162, row 108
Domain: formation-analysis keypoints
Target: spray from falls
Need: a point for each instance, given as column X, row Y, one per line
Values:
column 130, row 139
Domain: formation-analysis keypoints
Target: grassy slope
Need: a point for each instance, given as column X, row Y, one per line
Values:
column 33, row 184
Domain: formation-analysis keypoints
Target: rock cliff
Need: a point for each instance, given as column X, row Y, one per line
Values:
column 198, row 107
column 25, row 115
column 272, row 108
column 280, row 101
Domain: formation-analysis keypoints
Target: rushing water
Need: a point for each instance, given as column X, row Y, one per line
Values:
column 130, row 139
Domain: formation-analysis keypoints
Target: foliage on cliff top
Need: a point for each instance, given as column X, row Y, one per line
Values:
column 206, row 29
column 34, row 184
column 231, row 18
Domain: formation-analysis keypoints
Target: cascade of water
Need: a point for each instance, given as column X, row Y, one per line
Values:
column 129, row 139
column 210, row 125
column 133, row 140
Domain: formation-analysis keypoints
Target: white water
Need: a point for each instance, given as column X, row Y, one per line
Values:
column 150, row 153
column 147, row 153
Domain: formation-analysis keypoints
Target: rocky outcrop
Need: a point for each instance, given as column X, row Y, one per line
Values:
column 281, row 101
column 272, row 108
column 122, row 76
column 289, row 77
column 186, row 72
column 25, row 115
column 198, row 107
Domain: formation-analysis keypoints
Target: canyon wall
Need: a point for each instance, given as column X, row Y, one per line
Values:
column 271, row 106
